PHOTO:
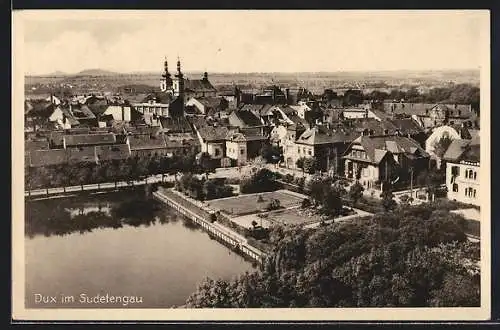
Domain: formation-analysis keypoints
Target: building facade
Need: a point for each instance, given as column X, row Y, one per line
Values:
column 462, row 171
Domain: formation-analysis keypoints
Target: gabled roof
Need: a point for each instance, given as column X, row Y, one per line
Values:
column 210, row 102
column 248, row 118
column 323, row 135
column 89, row 139
column 298, row 121
column 175, row 124
column 40, row 108
column 407, row 126
column 198, row 85
column 158, row 97
column 394, row 144
column 212, row 133
column 97, row 109
column 459, row 149
column 255, row 108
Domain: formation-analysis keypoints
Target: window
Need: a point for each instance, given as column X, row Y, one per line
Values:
column 217, row 152
column 455, row 187
column 475, row 175
column 474, row 195
column 242, row 151
column 298, row 150
column 309, row 152
column 455, row 170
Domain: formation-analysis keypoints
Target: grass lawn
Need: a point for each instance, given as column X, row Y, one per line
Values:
column 247, row 204
column 292, row 217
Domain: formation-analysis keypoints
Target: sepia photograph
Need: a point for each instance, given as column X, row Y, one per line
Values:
column 251, row 165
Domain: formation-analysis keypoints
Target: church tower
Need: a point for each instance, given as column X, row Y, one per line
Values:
column 178, row 82
column 166, row 81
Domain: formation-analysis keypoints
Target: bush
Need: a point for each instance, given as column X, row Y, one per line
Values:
column 261, row 181
column 306, row 202
column 274, row 204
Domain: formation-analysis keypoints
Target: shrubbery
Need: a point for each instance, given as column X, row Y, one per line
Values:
column 261, row 181
column 410, row 257
column 202, row 189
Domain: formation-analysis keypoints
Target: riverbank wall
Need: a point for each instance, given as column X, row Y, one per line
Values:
column 202, row 217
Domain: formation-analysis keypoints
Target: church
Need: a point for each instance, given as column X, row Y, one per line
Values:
column 175, row 91
column 179, row 86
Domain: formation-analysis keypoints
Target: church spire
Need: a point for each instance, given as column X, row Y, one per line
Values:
column 166, row 74
column 179, row 72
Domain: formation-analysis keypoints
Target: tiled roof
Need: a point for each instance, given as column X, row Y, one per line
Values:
column 110, row 152
column 460, row 149
column 143, row 129
column 141, row 142
column 210, row 102
column 407, row 126
column 78, row 130
column 394, row 144
column 158, row 97
column 180, row 140
column 89, row 139
column 298, row 121
column 177, row 124
column 198, row 85
column 41, row 108
column 38, row 158
column 247, row 118
column 82, row 111
column 323, row 135
column 256, row 108
column 82, row 155
column 212, row 133
column 36, row 145
column 289, row 110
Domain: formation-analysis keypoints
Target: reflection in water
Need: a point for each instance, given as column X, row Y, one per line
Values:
column 66, row 217
column 152, row 252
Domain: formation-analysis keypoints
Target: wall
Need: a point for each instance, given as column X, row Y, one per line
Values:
column 119, row 113
column 56, row 115
column 212, row 148
column 234, row 151
column 463, row 183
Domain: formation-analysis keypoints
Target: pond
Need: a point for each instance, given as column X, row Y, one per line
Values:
column 117, row 250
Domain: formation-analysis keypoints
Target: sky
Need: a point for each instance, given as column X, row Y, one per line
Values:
column 250, row 41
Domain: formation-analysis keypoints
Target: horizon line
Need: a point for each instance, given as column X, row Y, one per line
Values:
column 57, row 72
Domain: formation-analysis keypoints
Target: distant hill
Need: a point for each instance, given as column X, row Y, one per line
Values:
column 96, row 72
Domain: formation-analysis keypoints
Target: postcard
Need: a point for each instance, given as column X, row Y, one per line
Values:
column 251, row 165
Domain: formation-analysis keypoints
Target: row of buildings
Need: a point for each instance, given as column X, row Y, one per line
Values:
column 371, row 142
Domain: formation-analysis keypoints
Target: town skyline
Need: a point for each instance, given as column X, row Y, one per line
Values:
column 251, row 41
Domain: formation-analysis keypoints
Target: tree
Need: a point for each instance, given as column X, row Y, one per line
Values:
column 442, row 145
column 271, row 154
column 406, row 258
column 356, row 192
column 310, row 165
column 388, row 199
column 352, row 97
column 206, row 164
column 274, row 204
column 332, row 202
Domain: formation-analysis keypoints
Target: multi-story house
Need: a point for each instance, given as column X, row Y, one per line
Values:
column 325, row 144
column 375, row 159
column 462, row 171
column 212, row 139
